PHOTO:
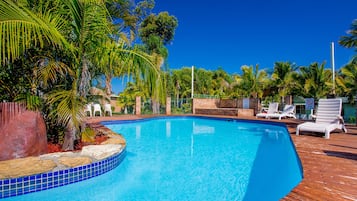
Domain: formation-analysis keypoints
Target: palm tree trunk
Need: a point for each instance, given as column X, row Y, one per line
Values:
column 177, row 100
column 84, row 79
column 70, row 134
column 108, row 84
column 155, row 107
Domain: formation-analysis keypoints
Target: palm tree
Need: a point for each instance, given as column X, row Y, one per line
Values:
column 316, row 81
column 350, row 41
column 284, row 78
column 78, row 29
column 252, row 81
column 203, row 81
column 221, row 82
column 348, row 81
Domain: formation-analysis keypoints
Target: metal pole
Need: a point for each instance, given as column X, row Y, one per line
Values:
column 333, row 66
column 192, row 80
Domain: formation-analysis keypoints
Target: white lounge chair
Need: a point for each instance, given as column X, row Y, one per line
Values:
column 288, row 111
column 327, row 119
column 97, row 108
column 273, row 108
column 88, row 108
column 108, row 109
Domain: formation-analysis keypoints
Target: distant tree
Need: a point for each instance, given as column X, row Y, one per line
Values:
column 348, row 81
column 315, row 81
column 203, row 81
column 162, row 25
column 182, row 81
column 156, row 31
column 351, row 40
column 221, row 82
column 253, row 81
column 284, row 78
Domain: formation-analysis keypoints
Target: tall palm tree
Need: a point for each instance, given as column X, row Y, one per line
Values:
column 351, row 40
column 284, row 78
column 221, row 81
column 252, row 81
column 203, row 81
column 316, row 81
column 348, row 80
column 77, row 28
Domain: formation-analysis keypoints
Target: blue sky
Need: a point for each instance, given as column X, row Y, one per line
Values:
column 232, row 33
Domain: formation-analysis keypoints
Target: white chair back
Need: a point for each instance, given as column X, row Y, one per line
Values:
column 329, row 110
column 97, row 108
column 88, row 108
column 289, row 109
column 273, row 108
column 108, row 109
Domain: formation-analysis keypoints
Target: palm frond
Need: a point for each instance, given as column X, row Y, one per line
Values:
column 21, row 29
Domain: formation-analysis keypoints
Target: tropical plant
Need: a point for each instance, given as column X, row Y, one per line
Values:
column 351, row 40
column 316, row 81
column 156, row 31
column 75, row 32
column 253, row 81
column 221, row 82
column 348, row 81
column 284, row 78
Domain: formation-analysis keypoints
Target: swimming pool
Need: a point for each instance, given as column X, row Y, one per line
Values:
column 193, row 158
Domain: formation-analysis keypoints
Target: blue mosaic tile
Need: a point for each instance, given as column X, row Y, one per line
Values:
column 35, row 183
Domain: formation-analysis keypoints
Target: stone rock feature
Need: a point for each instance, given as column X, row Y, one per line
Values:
column 15, row 168
column 74, row 162
column 23, row 136
column 100, row 152
column 114, row 139
column 24, row 166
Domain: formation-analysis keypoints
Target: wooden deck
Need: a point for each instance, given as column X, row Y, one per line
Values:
column 330, row 165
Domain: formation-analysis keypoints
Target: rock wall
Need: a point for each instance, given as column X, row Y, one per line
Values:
column 24, row 135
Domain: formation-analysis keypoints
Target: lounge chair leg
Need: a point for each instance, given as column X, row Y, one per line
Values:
column 327, row 135
column 344, row 129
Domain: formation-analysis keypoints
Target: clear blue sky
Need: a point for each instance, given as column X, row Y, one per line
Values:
column 232, row 33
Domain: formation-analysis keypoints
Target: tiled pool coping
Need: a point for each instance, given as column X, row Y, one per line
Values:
column 34, row 183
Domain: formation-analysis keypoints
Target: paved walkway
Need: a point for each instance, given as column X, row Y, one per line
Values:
column 330, row 166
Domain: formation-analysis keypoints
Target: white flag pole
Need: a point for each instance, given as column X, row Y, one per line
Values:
column 192, row 80
column 333, row 66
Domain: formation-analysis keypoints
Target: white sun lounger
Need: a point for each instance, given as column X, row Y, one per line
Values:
column 273, row 108
column 328, row 118
column 289, row 111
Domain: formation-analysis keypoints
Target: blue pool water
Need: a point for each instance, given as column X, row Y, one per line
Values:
column 193, row 158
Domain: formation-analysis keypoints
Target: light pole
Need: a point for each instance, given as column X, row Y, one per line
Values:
column 333, row 66
column 192, row 80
